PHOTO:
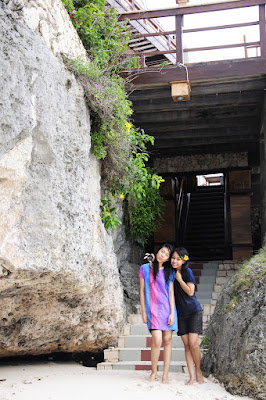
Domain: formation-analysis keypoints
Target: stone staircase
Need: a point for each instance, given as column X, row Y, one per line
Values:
column 134, row 345
column 134, row 350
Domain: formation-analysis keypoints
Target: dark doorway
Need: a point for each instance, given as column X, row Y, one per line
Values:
column 196, row 215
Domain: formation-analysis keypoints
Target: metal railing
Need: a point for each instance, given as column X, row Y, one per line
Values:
column 179, row 12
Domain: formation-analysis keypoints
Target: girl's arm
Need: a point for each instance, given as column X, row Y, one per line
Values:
column 142, row 301
column 189, row 287
column 172, row 304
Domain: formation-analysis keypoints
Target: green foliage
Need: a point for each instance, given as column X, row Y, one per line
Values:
column 108, row 214
column 206, row 341
column 248, row 272
column 120, row 146
column 104, row 39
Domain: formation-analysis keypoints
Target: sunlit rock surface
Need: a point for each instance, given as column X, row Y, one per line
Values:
column 59, row 281
column 236, row 352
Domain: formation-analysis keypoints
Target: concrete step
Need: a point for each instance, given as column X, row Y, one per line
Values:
column 204, row 301
column 140, row 329
column 145, row 341
column 140, row 354
column 206, row 285
column 208, row 272
column 176, row 366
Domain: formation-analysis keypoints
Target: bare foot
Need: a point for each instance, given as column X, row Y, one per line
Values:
column 190, row 382
column 165, row 379
column 152, row 377
column 199, row 377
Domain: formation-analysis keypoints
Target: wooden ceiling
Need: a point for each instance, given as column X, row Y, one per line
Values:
column 224, row 112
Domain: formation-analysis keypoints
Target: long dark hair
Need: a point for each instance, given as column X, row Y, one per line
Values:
column 182, row 252
column 167, row 264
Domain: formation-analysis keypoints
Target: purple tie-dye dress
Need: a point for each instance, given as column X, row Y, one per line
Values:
column 157, row 299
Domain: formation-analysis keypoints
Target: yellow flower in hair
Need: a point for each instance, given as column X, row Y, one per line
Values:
column 186, row 258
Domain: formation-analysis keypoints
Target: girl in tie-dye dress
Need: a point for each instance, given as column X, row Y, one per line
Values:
column 158, row 306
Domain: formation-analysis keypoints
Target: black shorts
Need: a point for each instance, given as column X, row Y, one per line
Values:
column 191, row 323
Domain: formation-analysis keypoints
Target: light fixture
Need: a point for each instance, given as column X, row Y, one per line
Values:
column 180, row 90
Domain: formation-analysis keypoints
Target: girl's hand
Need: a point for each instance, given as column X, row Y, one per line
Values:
column 150, row 257
column 144, row 318
column 178, row 275
column 171, row 319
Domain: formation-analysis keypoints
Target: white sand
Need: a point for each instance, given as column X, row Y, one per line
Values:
column 72, row 381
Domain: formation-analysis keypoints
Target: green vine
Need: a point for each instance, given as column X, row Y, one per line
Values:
column 120, row 145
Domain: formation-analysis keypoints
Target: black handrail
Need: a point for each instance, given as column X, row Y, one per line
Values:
column 182, row 207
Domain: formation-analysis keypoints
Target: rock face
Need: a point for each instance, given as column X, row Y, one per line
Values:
column 237, row 336
column 59, row 281
column 129, row 258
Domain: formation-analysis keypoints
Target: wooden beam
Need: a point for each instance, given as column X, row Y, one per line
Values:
column 224, row 46
column 201, row 71
column 213, row 100
column 168, row 12
column 208, row 132
column 212, row 149
column 178, row 38
column 200, row 123
column 164, row 143
column 143, row 35
column 212, row 28
column 200, row 89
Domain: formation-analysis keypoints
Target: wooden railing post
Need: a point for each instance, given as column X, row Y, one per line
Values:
column 178, row 38
column 262, row 30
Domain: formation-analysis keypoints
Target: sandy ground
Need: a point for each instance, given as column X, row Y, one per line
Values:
column 71, row 381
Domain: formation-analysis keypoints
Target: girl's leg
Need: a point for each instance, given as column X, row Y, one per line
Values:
column 189, row 360
column 167, row 344
column 193, row 340
column 156, row 342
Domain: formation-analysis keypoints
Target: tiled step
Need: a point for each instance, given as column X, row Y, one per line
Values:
column 176, row 366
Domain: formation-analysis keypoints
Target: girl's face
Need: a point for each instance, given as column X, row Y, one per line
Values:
column 177, row 261
column 163, row 255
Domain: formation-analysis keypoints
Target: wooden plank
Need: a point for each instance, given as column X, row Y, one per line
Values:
column 172, row 116
column 242, row 253
column 178, row 143
column 198, row 104
column 140, row 35
column 224, row 46
column 178, row 38
column 201, row 71
column 206, row 88
column 211, row 28
column 246, row 131
column 239, row 180
column 168, row 12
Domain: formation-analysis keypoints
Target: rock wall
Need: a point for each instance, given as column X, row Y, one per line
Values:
column 130, row 258
column 236, row 333
column 59, row 281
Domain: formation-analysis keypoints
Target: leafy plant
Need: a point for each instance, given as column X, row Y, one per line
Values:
column 120, row 146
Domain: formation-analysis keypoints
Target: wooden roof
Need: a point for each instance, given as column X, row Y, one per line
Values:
column 224, row 111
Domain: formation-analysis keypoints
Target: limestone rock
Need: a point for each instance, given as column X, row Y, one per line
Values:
column 237, row 337
column 59, row 281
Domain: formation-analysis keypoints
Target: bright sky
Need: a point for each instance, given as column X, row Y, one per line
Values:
column 212, row 38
